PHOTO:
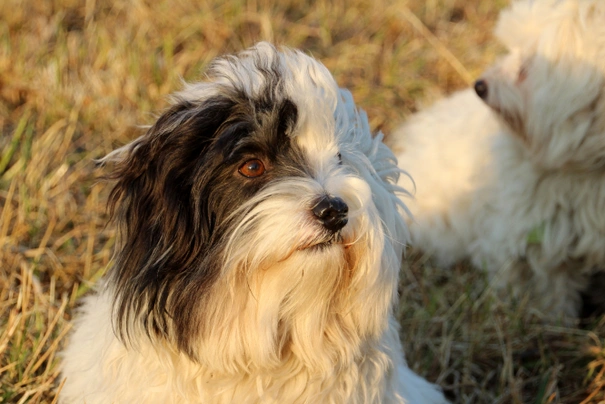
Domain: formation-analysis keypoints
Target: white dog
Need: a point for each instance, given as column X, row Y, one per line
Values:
column 259, row 250
column 516, row 182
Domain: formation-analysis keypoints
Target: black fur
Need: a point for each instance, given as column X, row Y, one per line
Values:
column 175, row 189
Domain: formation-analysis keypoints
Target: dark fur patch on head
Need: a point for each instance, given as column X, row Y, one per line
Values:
column 176, row 190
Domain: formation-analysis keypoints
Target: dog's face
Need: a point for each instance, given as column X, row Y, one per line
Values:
column 549, row 90
column 257, row 218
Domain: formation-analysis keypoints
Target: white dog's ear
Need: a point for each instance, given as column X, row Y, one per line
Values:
column 535, row 25
column 523, row 23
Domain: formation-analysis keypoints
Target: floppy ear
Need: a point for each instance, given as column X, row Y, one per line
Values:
column 523, row 23
column 161, row 232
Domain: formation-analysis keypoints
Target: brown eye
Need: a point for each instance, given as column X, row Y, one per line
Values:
column 252, row 168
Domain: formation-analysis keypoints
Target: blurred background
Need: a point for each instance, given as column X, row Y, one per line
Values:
column 78, row 78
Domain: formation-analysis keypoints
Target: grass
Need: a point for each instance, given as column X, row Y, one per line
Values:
column 77, row 77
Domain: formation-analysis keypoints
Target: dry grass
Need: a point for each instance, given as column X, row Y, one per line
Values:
column 77, row 76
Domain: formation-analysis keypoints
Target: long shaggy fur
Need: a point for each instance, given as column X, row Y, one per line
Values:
column 225, row 287
column 516, row 181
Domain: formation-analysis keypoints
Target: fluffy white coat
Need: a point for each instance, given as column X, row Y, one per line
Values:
column 516, row 182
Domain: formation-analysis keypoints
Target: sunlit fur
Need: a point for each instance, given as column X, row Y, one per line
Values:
column 227, row 289
column 517, row 183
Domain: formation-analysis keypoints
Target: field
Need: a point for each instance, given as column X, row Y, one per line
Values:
column 78, row 77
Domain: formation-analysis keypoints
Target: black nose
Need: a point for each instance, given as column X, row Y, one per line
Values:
column 332, row 212
column 481, row 89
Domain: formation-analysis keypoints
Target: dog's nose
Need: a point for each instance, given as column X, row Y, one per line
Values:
column 481, row 88
column 332, row 212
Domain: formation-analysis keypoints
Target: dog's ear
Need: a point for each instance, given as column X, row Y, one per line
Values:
column 162, row 236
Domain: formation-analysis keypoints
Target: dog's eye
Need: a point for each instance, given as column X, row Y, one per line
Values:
column 339, row 158
column 252, row 168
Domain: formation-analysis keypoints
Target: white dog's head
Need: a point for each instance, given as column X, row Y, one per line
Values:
column 550, row 88
column 257, row 219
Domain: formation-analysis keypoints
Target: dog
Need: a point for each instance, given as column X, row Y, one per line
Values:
column 511, row 174
column 260, row 240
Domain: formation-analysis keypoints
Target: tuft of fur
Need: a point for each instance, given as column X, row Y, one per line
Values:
column 516, row 181
column 226, row 287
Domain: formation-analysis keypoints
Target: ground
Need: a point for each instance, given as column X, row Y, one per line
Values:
column 78, row 78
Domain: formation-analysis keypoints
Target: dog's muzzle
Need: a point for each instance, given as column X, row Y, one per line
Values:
column 331, row 212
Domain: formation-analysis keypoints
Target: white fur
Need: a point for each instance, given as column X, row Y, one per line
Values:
column 518, row 183
column 284, row 324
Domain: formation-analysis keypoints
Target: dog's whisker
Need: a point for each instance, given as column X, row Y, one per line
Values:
column 353, row 242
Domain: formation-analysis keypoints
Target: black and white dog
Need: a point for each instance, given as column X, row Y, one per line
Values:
column 259, row 248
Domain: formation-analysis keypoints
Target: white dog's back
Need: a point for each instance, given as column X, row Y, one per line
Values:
column 445, row 150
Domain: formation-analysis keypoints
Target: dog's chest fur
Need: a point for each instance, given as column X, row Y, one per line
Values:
column 155, row 374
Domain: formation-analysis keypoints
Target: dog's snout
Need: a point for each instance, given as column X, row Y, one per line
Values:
column 481, row 88
column 332, row 212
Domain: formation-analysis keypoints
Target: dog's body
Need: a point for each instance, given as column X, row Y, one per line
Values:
column 516, row 182
column 260, row 244
column 100, row 369
column 445, row 149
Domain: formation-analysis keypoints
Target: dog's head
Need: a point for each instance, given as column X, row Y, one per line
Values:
column 549, row 89
column 257, row 218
